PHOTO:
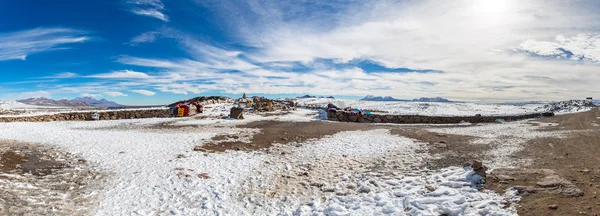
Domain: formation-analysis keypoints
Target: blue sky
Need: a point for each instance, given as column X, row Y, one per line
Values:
column 157, row 51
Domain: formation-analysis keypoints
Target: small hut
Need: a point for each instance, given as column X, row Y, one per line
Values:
column 181, row 110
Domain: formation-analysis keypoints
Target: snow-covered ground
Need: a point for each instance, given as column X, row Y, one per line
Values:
column 349, row 173
column 14, row 105
column 442, row 108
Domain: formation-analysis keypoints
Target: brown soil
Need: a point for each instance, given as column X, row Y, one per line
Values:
column 455, row 150
column 10, row 161
column 578, row 121
column 61, row 181
column 574, row 157
column 272, row 132
column 275, row 114
column 27, row 160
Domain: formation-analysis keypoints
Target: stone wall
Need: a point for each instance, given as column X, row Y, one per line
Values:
column 346, row 116
column 83, row 116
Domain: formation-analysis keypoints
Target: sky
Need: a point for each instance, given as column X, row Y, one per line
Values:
column 138, row 52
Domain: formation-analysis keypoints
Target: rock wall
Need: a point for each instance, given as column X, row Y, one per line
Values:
column 346, row 116
column 83, row 116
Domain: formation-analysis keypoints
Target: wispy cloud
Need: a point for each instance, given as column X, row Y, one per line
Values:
column 115, row 94
column 146, row 37
column 32, row 94
column 63, row 75
column 151, row 8
column 126, row 74
column 91, row 95
column 144, row 92
column 20, row 44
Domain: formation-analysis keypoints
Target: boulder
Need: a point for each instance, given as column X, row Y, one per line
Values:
column 236, row 113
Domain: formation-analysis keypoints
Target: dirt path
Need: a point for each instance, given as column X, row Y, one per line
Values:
column 574, row 157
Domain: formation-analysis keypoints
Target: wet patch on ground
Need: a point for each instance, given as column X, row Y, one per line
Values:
column 39, row 180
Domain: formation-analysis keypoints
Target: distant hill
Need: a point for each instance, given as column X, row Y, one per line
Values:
column 379, row 98
column 201, row 98
column 435, row 99
column 94, row 102
column 388, row 98
column 77, row 102
column 309, row 96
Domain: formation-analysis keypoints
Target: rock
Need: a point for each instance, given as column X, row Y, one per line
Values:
column 82, row 161
column 236, row 113
column 537, row 181
column 317, row 184
column 477, row 164
column 351, row 186
column 553, row 207
column 202, row 149
column 441, row 145
column 430, row 188
column 342, row 193
column 364, row 189
column 328, row 189
column 181, row 155
column 353, row 118
column 442, row 141
column 377, row 120
column 203, row 176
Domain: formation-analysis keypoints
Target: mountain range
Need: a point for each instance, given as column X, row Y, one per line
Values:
column 77, row 102
column 309, row 96
column 388, row 98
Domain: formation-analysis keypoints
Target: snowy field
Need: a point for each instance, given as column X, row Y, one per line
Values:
column 349, row 173
column 427, row 108
column 16, row 109
column 368, row 172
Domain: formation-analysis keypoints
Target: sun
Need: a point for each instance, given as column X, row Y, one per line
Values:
column 491, row 11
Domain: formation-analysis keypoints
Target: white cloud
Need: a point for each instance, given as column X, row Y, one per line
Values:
column 63, row 75
column 151, row 13
column 125, row 74
column 20, row 44
column 146, row 37
column 35, row 94
column 151, row 8
column 579, row 47
column 91, row 95
column 172, row 90
column 26, row 95
column 154, row 3
column 115, row 94
column 144, row 92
